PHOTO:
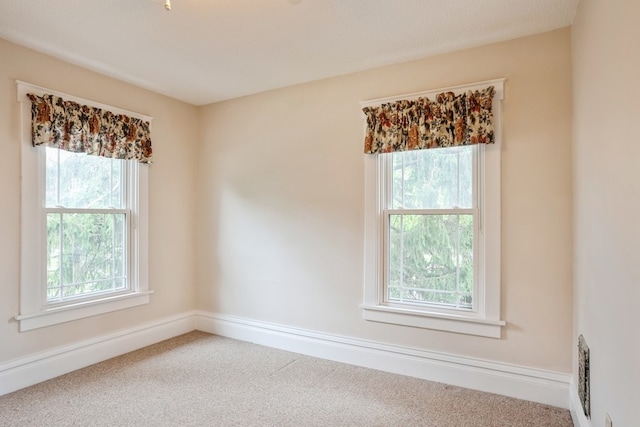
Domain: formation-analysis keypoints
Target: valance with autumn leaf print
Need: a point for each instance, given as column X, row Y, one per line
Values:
column 84, row 129
column 450, row 120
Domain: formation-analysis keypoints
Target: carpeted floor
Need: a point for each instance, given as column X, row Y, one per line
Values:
column 199, row 379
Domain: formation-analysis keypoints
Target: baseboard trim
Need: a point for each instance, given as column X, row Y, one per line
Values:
column 43, row 366
column 548, row 387
column 577, row 413
column 531, row 384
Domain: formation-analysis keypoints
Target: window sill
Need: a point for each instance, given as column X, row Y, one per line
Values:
column 438, row 321
column 80, row 310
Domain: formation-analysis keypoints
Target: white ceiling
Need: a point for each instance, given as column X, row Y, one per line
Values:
column 204, row 51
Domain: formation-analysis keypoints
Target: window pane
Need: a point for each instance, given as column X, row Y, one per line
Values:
column 438, row 178
column 77, row 180
column 86, row 254
column 431, row 259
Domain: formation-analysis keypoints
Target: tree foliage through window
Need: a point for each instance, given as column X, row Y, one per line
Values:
column 430, row 248
column 86, row 224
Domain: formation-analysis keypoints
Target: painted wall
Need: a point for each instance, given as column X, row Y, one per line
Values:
column 171, row 199
column 606, row 64
column 281, row 195
column 269, row 222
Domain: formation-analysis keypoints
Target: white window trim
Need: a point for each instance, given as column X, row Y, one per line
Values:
column 485, row 320
column 34, row 312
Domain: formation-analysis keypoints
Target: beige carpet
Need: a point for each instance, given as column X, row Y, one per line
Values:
column 199, row 379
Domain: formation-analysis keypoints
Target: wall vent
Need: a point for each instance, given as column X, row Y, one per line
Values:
column 584, row 386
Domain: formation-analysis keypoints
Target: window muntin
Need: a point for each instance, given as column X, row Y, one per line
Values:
column 430, row 227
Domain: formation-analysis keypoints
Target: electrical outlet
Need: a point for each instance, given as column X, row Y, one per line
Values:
column 607, row 421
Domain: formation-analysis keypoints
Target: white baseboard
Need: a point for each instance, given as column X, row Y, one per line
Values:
column 577, row 414
column 40, row 367
column 531, row 384
column 552, row 388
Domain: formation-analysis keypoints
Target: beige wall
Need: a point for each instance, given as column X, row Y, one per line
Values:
column 281, row 195
column 171, row 199
column 606, row 64
column 265, row 216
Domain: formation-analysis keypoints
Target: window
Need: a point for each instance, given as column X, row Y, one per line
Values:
column 432, row 230
column 87, row 214
column 430, row 223
column 84, row 230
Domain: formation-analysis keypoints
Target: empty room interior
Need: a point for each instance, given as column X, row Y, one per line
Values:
column 268, row 191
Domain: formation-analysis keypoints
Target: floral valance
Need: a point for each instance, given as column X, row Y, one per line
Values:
column 450, row 120
column 84, row 129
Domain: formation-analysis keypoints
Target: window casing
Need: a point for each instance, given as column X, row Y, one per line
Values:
column 83, row 248
column 470, row 303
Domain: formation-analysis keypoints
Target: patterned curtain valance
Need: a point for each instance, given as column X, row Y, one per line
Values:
column 84, row 129
column 450, row 120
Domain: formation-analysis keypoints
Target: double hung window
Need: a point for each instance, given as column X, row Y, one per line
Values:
column 432, row 232
column 84, row 218
column 430, row 226
column 88, row 215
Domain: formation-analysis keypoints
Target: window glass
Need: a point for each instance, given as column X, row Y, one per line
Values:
column 439, row 178
column 86, row 227
column 430, row 255
column 431, row 259
column 78, row 180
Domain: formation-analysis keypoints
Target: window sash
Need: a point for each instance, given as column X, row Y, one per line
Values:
column 128, row 202
column 387, row 273
column 125, row 276
column 122, row 202
column 385, row 168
